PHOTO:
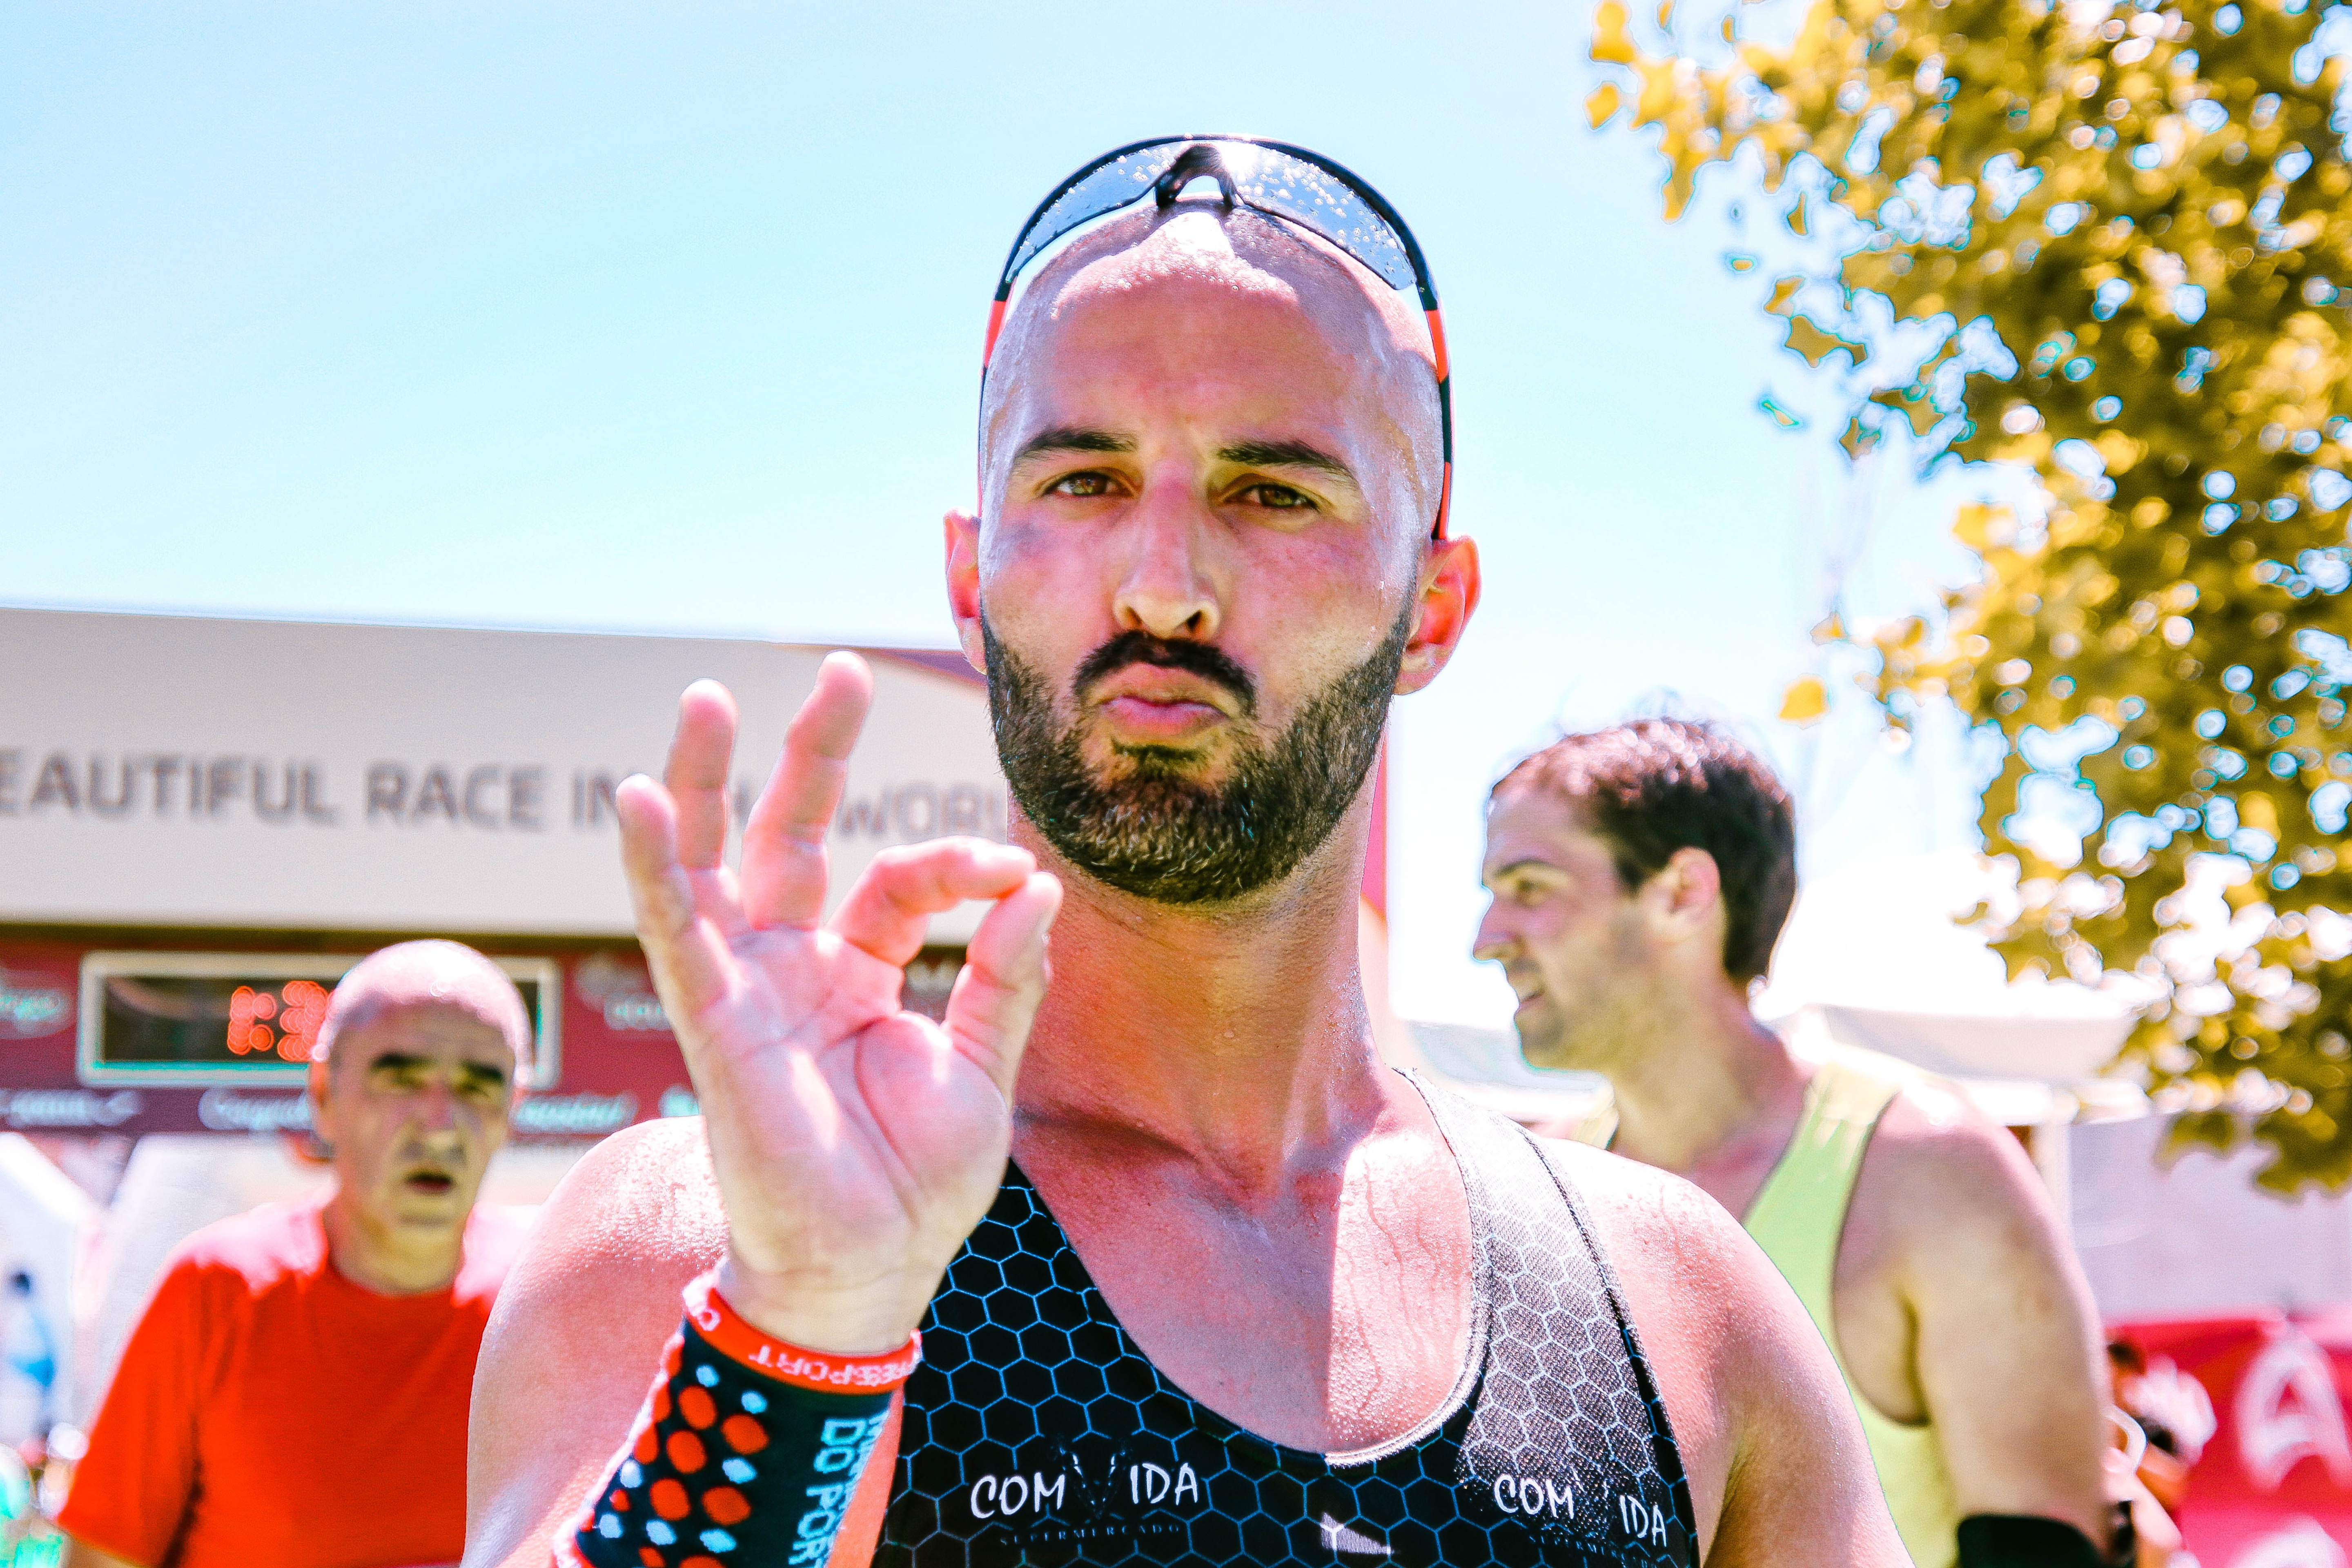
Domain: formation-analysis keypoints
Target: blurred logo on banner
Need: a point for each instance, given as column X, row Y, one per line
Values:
column 31, row 1009
column 2301, row 1544
column 2288, row 1411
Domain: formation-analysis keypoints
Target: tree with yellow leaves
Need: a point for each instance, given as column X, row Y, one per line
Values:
column 2128, row 232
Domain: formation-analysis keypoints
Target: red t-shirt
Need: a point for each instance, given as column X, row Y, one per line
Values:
column 267, row 1412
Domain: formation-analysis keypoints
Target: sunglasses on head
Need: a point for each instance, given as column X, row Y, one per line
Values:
column 1283, row 182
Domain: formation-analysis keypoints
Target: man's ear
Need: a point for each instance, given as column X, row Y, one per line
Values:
column 963, row 584
column 1448, row 595
column 1686, row 896
column 315, row 1085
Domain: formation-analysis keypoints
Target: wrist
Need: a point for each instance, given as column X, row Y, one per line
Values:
column 742, row 1446
column 873, row 1318
column 726, row 1331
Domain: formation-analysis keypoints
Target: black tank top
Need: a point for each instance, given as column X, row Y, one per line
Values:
column 1034, row 1432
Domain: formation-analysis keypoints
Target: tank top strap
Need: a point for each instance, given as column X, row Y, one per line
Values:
column 1799, row 1213
column 1798, row 1219
column 1565, row 1385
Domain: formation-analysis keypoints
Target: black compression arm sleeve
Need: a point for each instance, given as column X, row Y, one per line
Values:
column 2025, row 1540
column 725, row 1460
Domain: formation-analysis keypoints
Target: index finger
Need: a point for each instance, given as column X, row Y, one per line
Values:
column 784, row 874
column 696, row 773
column 995, row 998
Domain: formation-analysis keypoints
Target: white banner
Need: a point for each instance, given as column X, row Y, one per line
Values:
column 161, row 770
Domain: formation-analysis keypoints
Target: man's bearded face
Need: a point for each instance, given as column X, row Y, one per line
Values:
column 1148, row 822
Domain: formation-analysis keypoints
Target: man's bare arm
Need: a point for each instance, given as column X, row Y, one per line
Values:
column 577, row 1335
column 576, row 1338
column 2009, row 1356
column 1779, row 1475
column 847, row 1146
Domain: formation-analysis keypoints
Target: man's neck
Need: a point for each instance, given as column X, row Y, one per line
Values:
column 1704, row 1089
column 391, row 1260
column 1236, row 1038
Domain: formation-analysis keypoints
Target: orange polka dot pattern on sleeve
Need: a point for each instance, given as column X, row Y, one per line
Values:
column 730, row 1468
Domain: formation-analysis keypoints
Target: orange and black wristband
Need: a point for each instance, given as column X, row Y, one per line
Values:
column 748, row 1450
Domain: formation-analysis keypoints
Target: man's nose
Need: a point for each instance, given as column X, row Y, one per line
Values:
column 1494, row 941
column 435, row 1109
column 1167, row 591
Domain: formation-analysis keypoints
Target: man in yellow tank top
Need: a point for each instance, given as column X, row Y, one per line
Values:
column 1641, row 875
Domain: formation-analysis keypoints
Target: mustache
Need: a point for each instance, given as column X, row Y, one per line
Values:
column 1192, row 658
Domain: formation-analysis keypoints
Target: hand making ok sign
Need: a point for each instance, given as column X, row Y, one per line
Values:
column 856, row 1143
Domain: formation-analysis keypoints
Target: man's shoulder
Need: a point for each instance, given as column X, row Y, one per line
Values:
column 1940, row 1172
column 1736, row 1362
column 495, row 1234
column 643, row 1199
column 601, row 1276
column 257, row 1248
column 662, row 1166
column 1639, row 1209
column 1929, row 1133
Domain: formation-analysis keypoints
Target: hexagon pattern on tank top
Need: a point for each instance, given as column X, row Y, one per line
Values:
column 1036, row 1432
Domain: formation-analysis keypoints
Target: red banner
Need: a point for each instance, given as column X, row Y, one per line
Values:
column 618, row 1061
column 2257, row 1407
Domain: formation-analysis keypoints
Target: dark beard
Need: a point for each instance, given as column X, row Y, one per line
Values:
column 1154, row 833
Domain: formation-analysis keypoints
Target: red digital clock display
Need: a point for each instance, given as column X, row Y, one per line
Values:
column 206, row 1017
column 296, row 1009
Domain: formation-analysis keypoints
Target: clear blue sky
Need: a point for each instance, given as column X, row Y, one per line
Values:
column 665, row 317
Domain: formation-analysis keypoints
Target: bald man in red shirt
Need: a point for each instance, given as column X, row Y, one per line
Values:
column 295, row 1394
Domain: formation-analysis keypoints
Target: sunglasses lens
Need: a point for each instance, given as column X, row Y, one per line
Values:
column 1316, row 199
column 1262, row 176
column 1105, row 188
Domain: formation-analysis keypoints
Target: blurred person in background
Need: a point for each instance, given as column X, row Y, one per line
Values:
column 1640, row 877
column 2176, row 1426
column 296, row 1391
column 29, row 1366
column 2149, row 1468
column 19, row 1516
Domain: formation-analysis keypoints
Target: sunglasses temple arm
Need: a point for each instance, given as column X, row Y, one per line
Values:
column 1445, row 417
column 995, row 326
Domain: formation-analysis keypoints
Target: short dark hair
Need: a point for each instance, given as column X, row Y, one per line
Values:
column 1656, row 785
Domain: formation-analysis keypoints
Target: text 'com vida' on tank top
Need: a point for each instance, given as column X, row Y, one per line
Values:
column 1034, row 1431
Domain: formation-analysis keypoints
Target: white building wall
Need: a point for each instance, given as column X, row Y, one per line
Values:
column 2199, row 1238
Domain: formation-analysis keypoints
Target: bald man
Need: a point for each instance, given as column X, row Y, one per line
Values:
column 1242, row 1294
column 295, row 1393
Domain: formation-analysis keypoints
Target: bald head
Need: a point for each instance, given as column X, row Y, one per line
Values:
column 433, row 973
column 1200, row 272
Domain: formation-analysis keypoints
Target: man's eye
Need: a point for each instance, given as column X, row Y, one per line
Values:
column 1084, row 485
column 1278, row 497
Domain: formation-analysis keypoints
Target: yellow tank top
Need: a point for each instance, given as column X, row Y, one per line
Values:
column 1797, row 1218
